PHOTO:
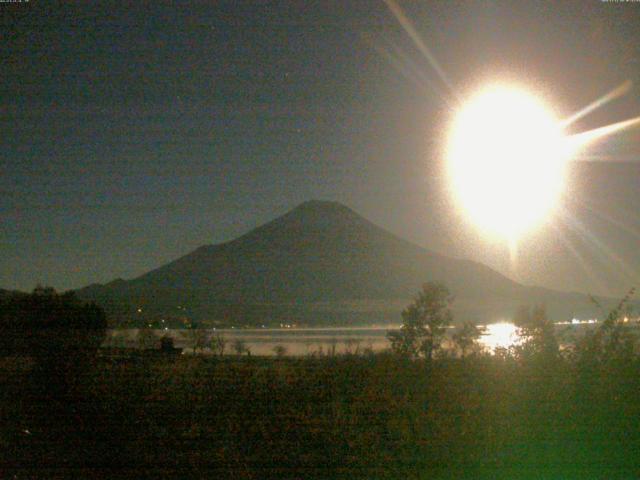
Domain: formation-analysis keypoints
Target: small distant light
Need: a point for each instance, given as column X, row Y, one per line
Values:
column 139, row 310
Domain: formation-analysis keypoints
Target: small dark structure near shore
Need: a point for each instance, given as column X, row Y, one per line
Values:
column 167, row 348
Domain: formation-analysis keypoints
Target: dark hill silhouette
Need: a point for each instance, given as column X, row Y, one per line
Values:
column 319, row 263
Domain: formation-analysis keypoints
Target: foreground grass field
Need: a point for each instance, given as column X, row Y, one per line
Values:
column 375, row 416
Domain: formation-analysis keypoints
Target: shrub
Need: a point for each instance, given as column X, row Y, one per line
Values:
column 423, row 322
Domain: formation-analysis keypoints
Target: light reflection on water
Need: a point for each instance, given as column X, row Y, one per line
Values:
column 499, row 335
column 307, row 341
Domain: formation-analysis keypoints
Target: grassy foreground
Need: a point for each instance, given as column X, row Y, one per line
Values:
column 376, row 416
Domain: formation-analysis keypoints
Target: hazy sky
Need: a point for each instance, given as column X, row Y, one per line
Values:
column 133, row 133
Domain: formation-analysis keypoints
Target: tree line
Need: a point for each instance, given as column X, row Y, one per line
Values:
column 426, row 319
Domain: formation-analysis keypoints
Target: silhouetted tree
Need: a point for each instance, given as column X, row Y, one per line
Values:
column 218, row 344
column 280, row 350
column 118, row 340
column 537, row 333
column 424, row 322
column 466, row 338
column 59, row 331
column 167, row 344
column 331, row 349
column 351, row 346
column 147, row 339
column 239, row 346
column 612, row 339
column 197, row 337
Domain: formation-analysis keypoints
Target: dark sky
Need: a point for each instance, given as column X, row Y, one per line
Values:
column 134, row 132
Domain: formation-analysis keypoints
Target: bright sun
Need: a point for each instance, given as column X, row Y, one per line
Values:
column 506, row 156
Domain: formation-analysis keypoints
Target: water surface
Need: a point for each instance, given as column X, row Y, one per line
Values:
column 320, row 341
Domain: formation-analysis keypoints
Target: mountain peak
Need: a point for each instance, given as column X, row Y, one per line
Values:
column 325, row 214
column 322, row 206
column 307, row 219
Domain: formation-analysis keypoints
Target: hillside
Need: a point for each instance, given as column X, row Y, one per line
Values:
column 321, row 263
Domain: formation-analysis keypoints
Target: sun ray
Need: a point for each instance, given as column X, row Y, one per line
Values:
column 408, row 27
column 608, row 218
column 512, row 243
column 408, row 68
column 598, row 246
column 617, row 92
column 583, row 139
column 409, row 73
column 428, row 83
column 586, row 267
column 598, row 157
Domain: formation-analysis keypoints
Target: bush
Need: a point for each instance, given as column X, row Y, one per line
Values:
column 57, row 330
column 424, row 322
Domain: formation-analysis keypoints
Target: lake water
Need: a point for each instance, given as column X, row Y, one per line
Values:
column 310, row 341
column 263, row 341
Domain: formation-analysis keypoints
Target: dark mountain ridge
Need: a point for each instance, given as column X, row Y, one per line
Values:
column 320, row 263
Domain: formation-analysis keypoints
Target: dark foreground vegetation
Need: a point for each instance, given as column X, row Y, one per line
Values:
column 529, row 412
column 363, row 417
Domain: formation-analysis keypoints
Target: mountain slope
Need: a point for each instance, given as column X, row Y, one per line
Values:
column 319, row 263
